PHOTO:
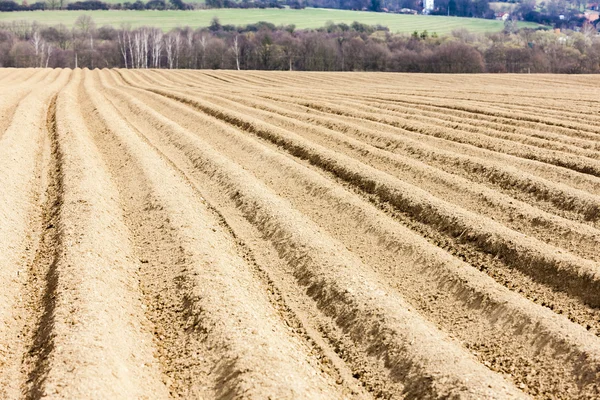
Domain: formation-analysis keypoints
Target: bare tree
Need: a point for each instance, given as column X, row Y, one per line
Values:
column 42, row 55
column 131, row 47
column 92, row 50
column 236, row 51
column 169, row 46
column 65, row 38
column 137, row 43
column 140, row 46
column 157, row 44
column 588, row 31
column 122, row 40
column 189, row 36
column 83, row 36
column 173, row 48
column 85, row 24
column 37, row 42
column 38, row 48
column 145, row 39
column 290, row 47
column 21, row 29
column 203, row 43
column 49, row 49
column 177, row 48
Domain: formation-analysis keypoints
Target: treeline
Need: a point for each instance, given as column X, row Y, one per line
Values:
column 464, row 8
column 251, row 4
column 558, row 14
column 90, row 5
column 460, row 8
column 263, row 46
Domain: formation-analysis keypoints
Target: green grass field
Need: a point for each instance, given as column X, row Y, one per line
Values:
column 307, row 18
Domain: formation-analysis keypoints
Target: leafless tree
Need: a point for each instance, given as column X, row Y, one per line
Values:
column 38, row 47
column 588, row 31
column 49, row 49
column 177, row 48
column 92, row 51
column 169, row 47
column 236, row 51
column 157, row 44
column 85, row 24
column 140, row 46
column 189, row 36
column 203, row 43
column 122, row 40
column 131, row 48
column 137, row 43
column 173, row 43
column 65, row 38
column 145, row 39
column 37, row 42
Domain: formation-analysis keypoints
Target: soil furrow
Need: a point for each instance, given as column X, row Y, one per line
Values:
column 503, row 122
column 193, row 301
column 464, row 193
column 495, row 175
column 500, row 123
column 373, row 235
column 10, row 102
column 575, row 162
column 275, row 234
column 91, row 340
column 43, row 274
column 333, row 290
column 21, row 149
column 545, row 263
column 496, row 112
column 518, row 134
column 398, row 135
column 352, row 368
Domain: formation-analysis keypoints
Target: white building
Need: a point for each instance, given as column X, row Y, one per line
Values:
column 427, row 6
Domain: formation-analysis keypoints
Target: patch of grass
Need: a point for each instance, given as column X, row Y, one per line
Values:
column 307, row 18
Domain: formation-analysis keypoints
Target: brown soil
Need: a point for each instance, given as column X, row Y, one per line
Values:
column 226, row 234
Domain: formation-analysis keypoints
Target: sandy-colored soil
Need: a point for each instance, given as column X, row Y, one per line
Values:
column 298, row 235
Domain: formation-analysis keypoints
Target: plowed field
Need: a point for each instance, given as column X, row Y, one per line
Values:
column 298, row 235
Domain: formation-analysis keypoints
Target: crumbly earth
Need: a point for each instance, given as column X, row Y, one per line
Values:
column 233, row 234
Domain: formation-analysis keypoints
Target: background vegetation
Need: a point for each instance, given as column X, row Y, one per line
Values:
column 309, row 18
column 335, row 47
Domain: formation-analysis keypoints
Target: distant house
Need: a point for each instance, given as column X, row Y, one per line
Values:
column 428, row 6
column 502, row 16
column 591, row 16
